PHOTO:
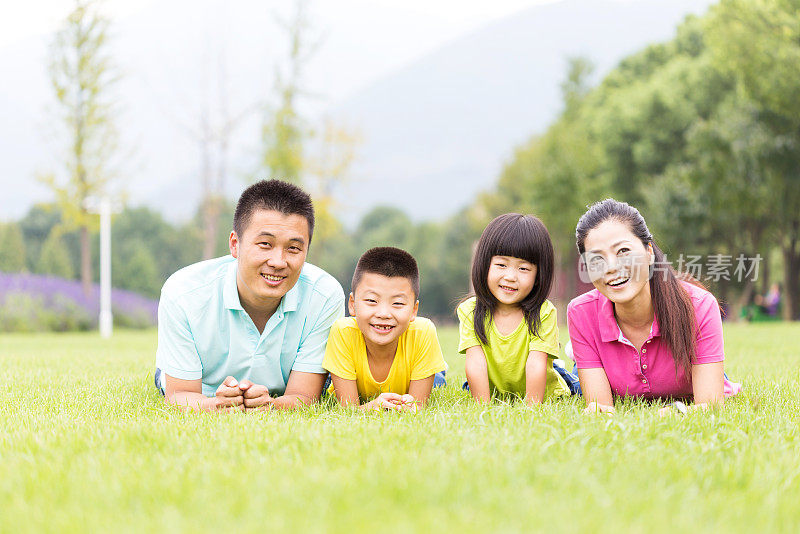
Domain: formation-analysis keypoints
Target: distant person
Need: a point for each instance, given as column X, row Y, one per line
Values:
column 384, row 357
column 642, row 332
column 508, row 330
column 248, row 331
column 771, row 302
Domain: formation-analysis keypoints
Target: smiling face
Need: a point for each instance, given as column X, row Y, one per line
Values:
column 510, row 279
column 270, row 253
column 618, row 262
column 383, row 307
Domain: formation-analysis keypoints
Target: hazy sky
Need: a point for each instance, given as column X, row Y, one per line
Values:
column 398, row 31
column 34, row 17
column 361, row 42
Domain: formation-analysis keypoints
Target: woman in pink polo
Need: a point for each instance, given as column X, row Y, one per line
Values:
column 642, row 331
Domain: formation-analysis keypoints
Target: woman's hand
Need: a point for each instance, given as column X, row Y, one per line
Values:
column 595, row 408
column 596, row 391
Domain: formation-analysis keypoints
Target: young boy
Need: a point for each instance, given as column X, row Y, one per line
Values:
column 384, row 354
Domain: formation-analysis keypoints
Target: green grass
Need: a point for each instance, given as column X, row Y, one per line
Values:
column 87, row 445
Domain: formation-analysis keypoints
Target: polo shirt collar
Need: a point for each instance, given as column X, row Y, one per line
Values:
column 609, row 329
column 230, row 293
column 291, row 298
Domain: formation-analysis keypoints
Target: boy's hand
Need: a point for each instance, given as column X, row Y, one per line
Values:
column 409, row 403
column 255, row 395
column 387, row 401
column 394, row 402
column 228, row 395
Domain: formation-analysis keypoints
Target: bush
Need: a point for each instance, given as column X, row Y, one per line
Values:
column 23, row 312
column 36, row 303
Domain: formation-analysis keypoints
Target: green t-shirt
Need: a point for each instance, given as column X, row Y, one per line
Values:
column 506, row 356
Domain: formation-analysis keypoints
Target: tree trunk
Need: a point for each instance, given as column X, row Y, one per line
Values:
column 210, row 225
column 745, row 299
column 571, row 279
column 86, row 261
column 791, row 289
column 791, row 273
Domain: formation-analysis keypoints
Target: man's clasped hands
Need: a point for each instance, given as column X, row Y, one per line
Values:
column 243, row 396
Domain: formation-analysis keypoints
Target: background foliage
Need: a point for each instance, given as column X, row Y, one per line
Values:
column 701, row 133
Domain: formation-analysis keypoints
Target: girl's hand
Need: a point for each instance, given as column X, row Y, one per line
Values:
column 595, row 408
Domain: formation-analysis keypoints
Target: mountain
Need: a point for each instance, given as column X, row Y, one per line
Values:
column 434, row 132
column 439, row 130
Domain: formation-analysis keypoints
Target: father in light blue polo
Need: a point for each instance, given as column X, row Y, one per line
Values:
column 248, row 331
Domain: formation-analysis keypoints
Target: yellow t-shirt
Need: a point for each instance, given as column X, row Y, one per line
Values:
column 506, row 356
column 418, row 356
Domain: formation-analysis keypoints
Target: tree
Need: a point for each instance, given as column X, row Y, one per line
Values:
column 673, row 131
column 293, row 151
column 384, row 226
column 171, row 247
column 758, row 43
column 212, row 133
column 328, row 167
column 36, row 226
column 12, row 248
column 555, row 175
column 720, row 183
column 82, row 76
column 135, row 269
column 283, row 132
column 54, row 258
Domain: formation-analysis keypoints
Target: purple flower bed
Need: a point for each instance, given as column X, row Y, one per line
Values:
column 60, row 297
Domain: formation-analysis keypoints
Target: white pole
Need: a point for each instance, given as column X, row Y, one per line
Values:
column 106, row 318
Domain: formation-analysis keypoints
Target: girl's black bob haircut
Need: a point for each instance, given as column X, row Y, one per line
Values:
column 516, row 236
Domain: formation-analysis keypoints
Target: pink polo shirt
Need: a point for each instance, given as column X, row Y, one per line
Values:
column 598, row 342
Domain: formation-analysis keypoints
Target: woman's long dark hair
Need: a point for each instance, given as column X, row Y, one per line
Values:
column 672, row 304
column 516, row 236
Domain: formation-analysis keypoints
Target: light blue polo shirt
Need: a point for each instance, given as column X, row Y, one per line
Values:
column 204, row 332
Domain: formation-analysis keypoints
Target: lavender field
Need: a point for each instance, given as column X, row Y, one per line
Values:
column 34, row 303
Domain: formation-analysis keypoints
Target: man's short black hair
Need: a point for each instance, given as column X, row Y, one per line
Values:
column 388, row 261
column 276, row 195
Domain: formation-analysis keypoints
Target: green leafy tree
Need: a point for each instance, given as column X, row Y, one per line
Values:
column 293, row 151
column 758, row 43
column 55, row 258
column 722, row 182
column 687, row 132
column 555, row 175
column 82, row 77
column 171, row 247
column 36, row 226
column 284, row 132
column 385, row 226
column 12, row 248
column 444, row 254
column 135, row 268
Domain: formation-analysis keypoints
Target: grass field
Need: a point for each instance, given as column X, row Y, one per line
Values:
column 87, row 445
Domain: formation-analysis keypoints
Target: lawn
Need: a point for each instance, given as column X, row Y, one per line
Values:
column 86, row 444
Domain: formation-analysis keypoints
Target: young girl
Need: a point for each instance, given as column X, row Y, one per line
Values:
column 508, row 330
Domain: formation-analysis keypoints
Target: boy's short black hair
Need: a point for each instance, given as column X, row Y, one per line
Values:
column 276, row 195
column 387, row 261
